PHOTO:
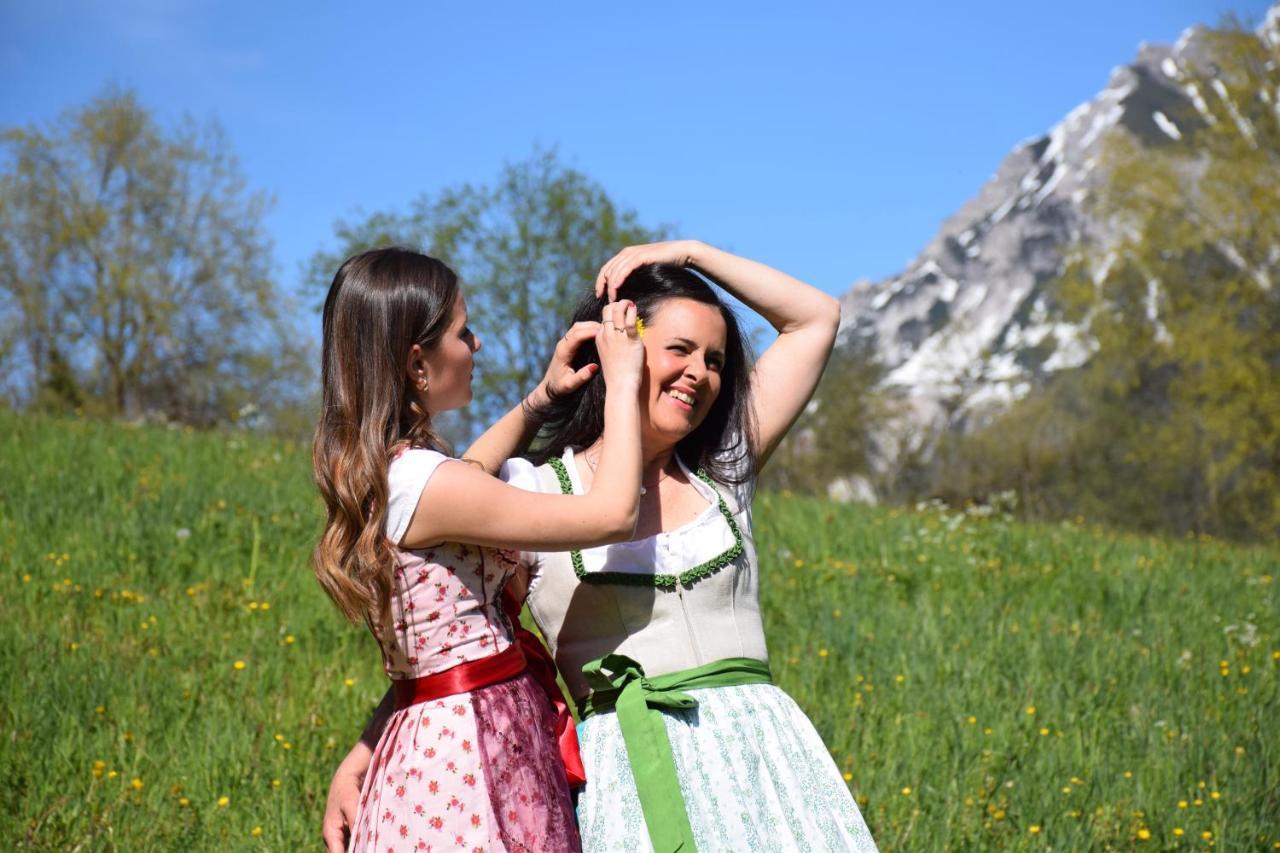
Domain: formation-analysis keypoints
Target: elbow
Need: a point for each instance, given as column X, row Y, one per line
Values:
column 831, row 312
column 620, row 526
column 625, row 524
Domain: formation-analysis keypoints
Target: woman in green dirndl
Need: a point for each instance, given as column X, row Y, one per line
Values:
column 686, row 742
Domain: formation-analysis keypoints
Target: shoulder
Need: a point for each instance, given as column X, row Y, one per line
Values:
column 407, row 475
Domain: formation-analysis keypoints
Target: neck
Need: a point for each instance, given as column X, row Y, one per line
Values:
column 655, row 460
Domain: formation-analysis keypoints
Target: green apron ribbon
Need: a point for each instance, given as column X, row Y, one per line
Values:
column 619, row 684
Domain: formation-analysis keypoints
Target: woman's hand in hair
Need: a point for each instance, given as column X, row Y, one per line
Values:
column 561, row 378
column 615, row 271
column 619, row 345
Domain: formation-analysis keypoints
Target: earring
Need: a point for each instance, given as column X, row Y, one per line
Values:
column 422, row 383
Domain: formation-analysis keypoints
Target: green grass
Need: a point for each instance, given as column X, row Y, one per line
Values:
column 985, row 684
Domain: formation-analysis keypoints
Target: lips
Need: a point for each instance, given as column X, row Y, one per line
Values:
column 683, row 399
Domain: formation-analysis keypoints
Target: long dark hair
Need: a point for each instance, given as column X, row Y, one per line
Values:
column 722, row 445
column 380, row 304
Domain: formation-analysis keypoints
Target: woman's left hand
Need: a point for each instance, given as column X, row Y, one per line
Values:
column 561, row 378
column 616, row 270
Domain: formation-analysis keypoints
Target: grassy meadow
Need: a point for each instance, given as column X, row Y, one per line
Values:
column 173, row 678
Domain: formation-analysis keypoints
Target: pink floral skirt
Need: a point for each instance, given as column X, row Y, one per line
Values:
column 474, row 771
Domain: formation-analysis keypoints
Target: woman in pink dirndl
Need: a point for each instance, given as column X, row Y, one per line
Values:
column 472, row 753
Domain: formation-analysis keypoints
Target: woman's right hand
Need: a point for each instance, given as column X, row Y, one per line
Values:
column 344, row 798
column 619, row 345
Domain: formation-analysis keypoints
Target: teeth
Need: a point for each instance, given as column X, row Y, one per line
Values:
column 681, row 396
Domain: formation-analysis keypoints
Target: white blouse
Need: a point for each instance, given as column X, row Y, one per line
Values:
column 671, row 601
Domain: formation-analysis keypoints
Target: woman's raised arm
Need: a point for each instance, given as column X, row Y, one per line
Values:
column 461, row 504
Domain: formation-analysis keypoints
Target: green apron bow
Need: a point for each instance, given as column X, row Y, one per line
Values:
column 619, row 684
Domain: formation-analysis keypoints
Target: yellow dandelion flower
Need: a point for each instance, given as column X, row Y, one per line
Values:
column 1182, row 804
column 1034, row 829
column 906, row 792
column 1197, row 802
column 1214, row 795
column 973, row 721
column 275, row 783
column 899, row 678
column 1044, row 732
column 289, row 639
column 184, row 802
column 1066, row 789
column 224, row 801
column 999, row 814
column 266, row 605
column 1030, row 710
column 822, row 653
column 1207, row 835
column 111, row 774
column 136, row 783
column 848, row 777
column 349, row 682
column 238, row 665
column 1177, row 832
column 1144, row 833
column 256, row 831
column 1239, row 750
column 253, row 605
column 1128, row 774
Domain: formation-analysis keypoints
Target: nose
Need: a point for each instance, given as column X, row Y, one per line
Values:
column 695, row 370
column 475, row 342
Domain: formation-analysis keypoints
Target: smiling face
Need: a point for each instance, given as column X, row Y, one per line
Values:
column 684, row 344
column 449, row 364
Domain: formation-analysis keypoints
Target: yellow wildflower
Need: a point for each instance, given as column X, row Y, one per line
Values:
column 1144, row 833
column 238, row 665
column 256, row 831
column 223, row 802
column 136, row 783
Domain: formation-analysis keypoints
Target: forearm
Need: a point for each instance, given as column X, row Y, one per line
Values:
column 617, row 478
column 787, row 303
column 509, row 436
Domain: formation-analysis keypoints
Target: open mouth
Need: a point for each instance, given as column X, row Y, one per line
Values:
column 683, row 399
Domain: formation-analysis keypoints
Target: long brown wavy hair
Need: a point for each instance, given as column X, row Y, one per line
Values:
column 380, row 304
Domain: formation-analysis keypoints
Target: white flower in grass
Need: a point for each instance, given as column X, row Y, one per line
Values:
column 183, row 534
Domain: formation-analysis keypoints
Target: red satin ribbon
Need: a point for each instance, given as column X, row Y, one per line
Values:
column 462, row 678
column 543, row 668
column 526, row 653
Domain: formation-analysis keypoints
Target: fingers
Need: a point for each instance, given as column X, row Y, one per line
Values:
column 629, row 319
column 333, row 837
column 578, row 332
column 615, row 272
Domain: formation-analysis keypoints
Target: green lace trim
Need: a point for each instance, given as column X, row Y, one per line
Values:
column 667, row 583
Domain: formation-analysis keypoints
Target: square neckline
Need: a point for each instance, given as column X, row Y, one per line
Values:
column 712, row 508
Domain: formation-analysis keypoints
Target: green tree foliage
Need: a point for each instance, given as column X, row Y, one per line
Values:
column 834, row 438
column 1175, row 420
column 528, row 247
column 135, row 274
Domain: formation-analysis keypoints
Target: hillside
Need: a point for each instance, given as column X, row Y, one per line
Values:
column 174, row 679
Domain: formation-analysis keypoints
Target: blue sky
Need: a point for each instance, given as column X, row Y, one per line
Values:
column 828, row 139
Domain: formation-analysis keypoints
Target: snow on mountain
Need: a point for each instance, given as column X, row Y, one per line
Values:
column 970, row 323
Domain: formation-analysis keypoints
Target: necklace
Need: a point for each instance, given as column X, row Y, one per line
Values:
column 644, row 490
